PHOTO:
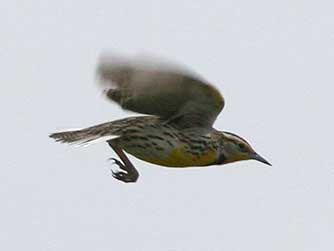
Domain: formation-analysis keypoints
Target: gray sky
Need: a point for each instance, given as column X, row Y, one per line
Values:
column 273, row 62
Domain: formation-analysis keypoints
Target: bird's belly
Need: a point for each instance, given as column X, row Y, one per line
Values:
column 174, row 157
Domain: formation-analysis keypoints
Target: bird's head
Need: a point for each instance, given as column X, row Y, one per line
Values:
column 235, row 148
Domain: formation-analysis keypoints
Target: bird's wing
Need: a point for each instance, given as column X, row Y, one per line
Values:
column 152, row 87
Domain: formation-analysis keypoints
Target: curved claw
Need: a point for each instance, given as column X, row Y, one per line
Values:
column 117, row 175
column 117, row 162
column 120, row 166
column 112, row 159
column 123, row 174
column 125, row 177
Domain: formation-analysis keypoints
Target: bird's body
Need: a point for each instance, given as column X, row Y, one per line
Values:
column 178, row 130
column 151, row 139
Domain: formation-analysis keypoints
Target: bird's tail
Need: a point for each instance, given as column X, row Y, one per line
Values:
column 87, row 135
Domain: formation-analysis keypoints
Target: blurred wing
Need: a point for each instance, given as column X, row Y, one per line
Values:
column 156, row 88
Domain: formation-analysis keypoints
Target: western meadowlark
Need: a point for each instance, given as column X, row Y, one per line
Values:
column 177, row 130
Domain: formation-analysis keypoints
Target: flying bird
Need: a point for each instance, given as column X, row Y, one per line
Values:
column 180, row 108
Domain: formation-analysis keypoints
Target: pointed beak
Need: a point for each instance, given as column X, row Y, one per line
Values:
column 259, row 158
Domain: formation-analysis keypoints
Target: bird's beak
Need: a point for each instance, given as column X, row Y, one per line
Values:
column 257, row 157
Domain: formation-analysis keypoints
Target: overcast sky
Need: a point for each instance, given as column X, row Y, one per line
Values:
column 273, row 62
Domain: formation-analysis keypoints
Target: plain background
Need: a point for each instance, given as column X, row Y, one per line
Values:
column 273, row 62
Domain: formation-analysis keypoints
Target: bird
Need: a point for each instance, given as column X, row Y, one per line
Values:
column 175, row 129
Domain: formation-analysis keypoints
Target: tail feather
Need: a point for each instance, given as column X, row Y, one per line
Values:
column 105, row 131
column 73, row 137
column 86, row 135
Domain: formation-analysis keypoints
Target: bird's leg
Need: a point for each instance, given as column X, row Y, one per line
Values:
column 129, row 173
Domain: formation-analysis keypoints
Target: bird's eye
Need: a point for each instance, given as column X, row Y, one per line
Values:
column 242, row 146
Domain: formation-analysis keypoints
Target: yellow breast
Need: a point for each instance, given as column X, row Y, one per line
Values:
column 179, row 157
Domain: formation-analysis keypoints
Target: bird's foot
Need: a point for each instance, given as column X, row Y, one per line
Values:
column 124, row 174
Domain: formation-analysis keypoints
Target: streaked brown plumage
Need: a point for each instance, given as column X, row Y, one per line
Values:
column 177, row 132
